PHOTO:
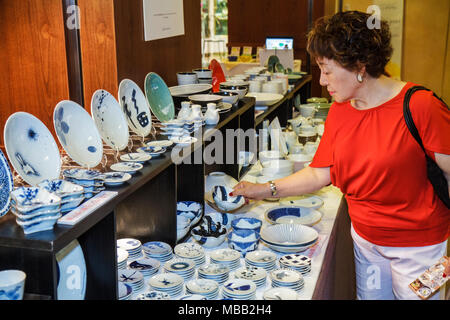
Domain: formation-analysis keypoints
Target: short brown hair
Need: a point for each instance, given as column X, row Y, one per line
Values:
column 346, row 39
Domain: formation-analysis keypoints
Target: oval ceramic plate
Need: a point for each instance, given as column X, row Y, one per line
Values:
column 31, row 148
column 129, row 167
column 71, row 272
column 77, row 133
column 109, row 119
column 135, row 107
column 159, row 97
column 265, row 98
column 139, row 157
column 6, row 183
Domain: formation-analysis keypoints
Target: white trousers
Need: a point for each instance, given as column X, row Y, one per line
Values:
column 384, row 273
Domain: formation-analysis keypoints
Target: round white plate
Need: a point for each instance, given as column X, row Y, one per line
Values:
column 307, row 216
column 280, row 294
column 166, row 280
column 129, row 167
column 202, row 286
column 109, row 119
column 264, row 98
column 261, row 256
column 183, row 141
column 135, row 107
column 77, row 133
column 179, row 265
column 188, row 89
column 160, row 143
column 239, row 287
column 250, row 273
column 189, row 250
column 295, row 260
column 72, row 272
column 286, row 276
column 31, row 148
column 225, row 255
column 213, row 269
column 157, row 248
column 139, row 157
column 128, row 244
column 6, row 181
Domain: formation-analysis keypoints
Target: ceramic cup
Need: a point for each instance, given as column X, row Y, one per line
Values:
column 187, row 78
column 203, row 73
column 12, row 284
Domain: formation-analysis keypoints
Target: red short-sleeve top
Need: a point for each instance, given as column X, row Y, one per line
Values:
column 381, row 169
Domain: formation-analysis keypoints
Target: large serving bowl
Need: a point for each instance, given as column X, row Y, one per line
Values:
column 209, row 238
column 182, row 92
column 31, row 148
column 223, row 200
column 159, row 97
column 109, row 119
column 12, row 284
column 243, row 240
column 228, row 97
column 289, row 237
column 77, row 133
column 247, row 223
column 240, row 90
column 293, row 215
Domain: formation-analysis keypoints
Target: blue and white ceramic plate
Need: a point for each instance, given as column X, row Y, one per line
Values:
column 160, row 143
column 293, row 214
column 157, row 248
column 71, row 272
column 113, row 179
column 6, row 185
column 139, row 157
column 62, row 188
column 77, row 133
column 109, row 119
column 128, row 167
column 135, row 107
column 26, row 199
column 308, row 201
column 31, row 148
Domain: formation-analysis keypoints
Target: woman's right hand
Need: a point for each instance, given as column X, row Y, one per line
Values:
column 252, row 191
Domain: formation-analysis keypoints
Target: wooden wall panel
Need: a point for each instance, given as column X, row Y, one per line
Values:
column 33, row 67
column 98, row 48
column 166, row 57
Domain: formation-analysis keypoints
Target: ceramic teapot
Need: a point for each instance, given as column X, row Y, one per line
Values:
column 212, row 114
column 185, row 110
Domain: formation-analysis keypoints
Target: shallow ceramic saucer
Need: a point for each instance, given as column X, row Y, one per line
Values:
column 135, row 157
column 116, row 178
column 225, row 255
column 183, row 141
column 160, row 143
column 166, row 280
column 189, row 250
column 280, row 293
column 128, row 167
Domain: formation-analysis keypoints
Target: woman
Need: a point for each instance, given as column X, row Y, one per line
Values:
column 399, row 226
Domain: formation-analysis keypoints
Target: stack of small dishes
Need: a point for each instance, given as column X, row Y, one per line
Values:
column 132, row 246
column 239, row 289
column 71, row 194
column 125, row 291
column 154, row 152
column 297, row 262
column 214, row 271
column 287, row 278
column 114, row 179
column 127, row 167
column 261, row 258
column 289, row 238
column 153, row 295
column 182, row 267
column 122, row 257
column 36, row 209
column 133, row 278
column 190, row 251
column 172, row 131
column 147, row 266
column 91, row 180
column 226, row 257
column 158, row 250
column 256, row 274
column 280, row 293
column 204, row 287
column 138, row 157
column 170, row 283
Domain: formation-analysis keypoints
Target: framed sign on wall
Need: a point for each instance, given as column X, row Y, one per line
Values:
column 163, row 19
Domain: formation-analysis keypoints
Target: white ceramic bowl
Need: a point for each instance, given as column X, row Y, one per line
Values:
column 77, row 133
column 203, row 73
column 228, row 97
column 299, row 160
column 187, row 78
column 224, row 201
column 219, row 178
column 293, row 214
column 243, row 240
column 204, row 99
column 12, row 284
column 31, row 148
column 289, row 235
column 268, row 155
column 109, row 119
column 247, row 223
column 209, row 240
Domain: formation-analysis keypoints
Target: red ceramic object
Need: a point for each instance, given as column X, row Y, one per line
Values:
column 217, row 75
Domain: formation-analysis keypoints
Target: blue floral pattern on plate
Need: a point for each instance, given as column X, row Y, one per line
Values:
column 6, row 185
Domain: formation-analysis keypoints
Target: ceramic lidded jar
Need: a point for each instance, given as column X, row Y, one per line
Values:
column 212, row 114
column 185, row 110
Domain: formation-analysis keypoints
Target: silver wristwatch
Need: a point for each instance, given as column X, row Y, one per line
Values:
column 273, row 188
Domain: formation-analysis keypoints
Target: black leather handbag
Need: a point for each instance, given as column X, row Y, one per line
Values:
column 435, row 174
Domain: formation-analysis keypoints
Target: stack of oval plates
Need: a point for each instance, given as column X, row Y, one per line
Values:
column 133, row 278
column 158, row 250
column 297, row 262
column 153, row 295
column 182, row 267
column 191, row 251
column 256, row 274
column 261, row 258
column 71, row 194
column 287, row 278
column 114, row 179
column 226, row 257
column 125, row 291
column 132, row 246
column 214, row 271
column 280, row 293
column 122, row 256
column 147, row 266
column 239, row 289
column 170, row 283
column 91, row 180
column 204, row 287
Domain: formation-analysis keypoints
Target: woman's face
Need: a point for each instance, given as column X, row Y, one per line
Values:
column 340, row 83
